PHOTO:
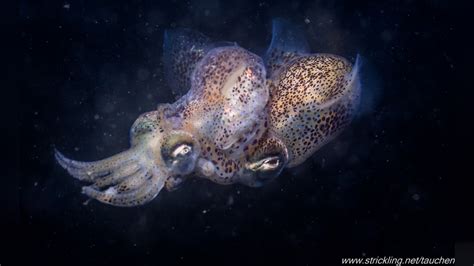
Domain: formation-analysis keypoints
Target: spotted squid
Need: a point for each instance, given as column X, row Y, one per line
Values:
column 238, row 118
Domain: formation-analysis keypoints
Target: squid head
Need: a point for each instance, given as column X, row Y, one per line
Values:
column 157, row 156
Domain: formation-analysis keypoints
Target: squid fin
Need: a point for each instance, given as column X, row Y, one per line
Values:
column 182, row 50
column 288, row 42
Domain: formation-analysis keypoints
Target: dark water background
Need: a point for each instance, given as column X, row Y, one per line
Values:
column 89, row 69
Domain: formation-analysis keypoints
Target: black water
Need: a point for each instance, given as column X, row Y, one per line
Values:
column 89, row 69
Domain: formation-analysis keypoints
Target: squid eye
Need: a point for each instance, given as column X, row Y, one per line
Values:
column 265, row 162
column 179, row 151
column 269, row 164
column 264, row 170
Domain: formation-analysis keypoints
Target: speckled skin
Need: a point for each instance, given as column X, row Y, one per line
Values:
column 235, row 124
column 314, row 98
column 226, row 101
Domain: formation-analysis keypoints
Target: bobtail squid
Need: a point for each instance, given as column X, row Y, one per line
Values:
column 239, row 117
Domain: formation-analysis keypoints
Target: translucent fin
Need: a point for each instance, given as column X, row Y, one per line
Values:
column 288, row 42
column 354, row 85
column 182, row 50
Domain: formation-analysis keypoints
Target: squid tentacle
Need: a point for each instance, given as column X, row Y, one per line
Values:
column 88, row 171
column 147, row 191
column 117, row 176
column 133, row 182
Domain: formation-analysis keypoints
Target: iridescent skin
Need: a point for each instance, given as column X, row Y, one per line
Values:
column 242, row 120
